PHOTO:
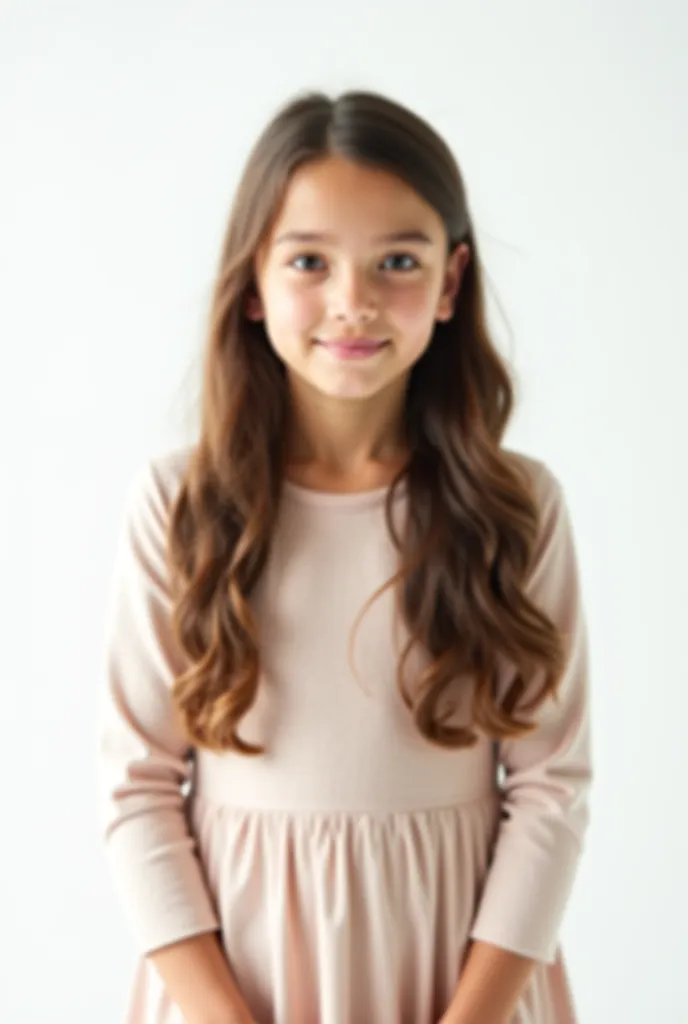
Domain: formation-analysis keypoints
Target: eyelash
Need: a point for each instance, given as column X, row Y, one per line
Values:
column 398, row 255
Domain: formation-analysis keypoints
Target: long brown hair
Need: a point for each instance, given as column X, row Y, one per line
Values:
column 472, row 516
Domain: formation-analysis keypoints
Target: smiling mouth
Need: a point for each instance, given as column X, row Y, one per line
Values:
column 353, row 348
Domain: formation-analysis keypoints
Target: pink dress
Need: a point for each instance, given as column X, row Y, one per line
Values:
column 348, row 867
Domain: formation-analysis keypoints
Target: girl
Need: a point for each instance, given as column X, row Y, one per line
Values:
column 345, row 746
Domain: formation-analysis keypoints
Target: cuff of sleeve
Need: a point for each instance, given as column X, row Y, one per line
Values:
column 524, row 899
column 162, row 890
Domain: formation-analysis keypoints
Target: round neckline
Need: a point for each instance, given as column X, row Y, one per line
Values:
column 339, row 499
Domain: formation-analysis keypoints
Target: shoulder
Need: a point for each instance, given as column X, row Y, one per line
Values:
column 554, row 552
column 554, row 526
column 157, row 481
column 544, row 483
column 169, row 468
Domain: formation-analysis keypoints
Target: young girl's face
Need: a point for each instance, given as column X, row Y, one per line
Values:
column 354, row 253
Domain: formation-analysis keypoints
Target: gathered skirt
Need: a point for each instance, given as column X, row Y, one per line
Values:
column 343, row 918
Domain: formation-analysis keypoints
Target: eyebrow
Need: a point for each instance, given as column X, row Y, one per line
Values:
column 316, row 236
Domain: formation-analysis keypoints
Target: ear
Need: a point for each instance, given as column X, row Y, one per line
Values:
column 253, row 307
column 456, row 264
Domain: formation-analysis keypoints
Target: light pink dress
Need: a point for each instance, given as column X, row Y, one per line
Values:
column 349, row 866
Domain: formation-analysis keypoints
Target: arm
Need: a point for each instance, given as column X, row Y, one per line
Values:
column 143, row 764
column 491, row 985
column 198, row 980
column 545, row 798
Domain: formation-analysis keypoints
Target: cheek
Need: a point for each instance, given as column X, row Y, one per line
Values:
column 293, row 310
column 413, row 307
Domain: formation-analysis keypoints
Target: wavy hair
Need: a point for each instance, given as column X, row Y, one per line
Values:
column 472, row 519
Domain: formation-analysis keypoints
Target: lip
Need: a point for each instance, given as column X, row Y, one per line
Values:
column 354, row 348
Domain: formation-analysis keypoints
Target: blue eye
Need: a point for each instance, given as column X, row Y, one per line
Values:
column 403, row 256
column 309, row 262
column 305, row 257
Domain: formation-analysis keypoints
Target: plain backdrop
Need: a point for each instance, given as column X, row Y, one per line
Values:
column 123, row 129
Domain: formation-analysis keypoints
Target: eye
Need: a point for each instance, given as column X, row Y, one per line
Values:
column 307, row 258
column 402, row 257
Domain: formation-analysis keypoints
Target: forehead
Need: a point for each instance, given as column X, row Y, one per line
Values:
column 339, row 196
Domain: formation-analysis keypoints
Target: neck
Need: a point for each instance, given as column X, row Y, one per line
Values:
column 347, row 439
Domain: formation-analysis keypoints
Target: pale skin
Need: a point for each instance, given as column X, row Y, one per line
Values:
column 328, row 270
column 347, row 280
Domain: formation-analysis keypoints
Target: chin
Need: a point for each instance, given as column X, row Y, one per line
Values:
column 351, row 391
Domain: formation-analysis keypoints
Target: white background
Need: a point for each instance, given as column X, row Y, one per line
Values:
column 123, row 127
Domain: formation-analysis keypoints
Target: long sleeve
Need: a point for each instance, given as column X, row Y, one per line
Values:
column 143, row 761
column 547, row 774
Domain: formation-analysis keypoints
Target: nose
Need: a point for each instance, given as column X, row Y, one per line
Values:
column 352, row 299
